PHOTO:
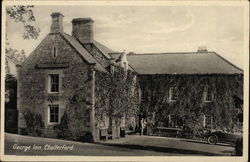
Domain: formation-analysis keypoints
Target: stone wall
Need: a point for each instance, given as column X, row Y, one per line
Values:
column 75, row 84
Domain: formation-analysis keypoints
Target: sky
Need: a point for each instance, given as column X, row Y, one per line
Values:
column 148, row 29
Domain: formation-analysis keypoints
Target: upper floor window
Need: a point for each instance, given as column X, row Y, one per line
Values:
column 142, row 94
column 173, row 95
column 208, row 95
column 53, row 113
column 54, row 52
column 54, row 83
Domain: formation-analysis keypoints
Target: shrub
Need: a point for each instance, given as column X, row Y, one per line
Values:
column 87, row 137
column 34, row 123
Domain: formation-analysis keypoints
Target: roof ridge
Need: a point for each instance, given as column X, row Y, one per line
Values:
column 170, row 53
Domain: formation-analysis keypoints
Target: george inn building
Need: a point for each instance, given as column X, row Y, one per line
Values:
column 173, row 86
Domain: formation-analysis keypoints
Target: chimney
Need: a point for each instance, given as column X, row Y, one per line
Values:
column 83, row 29
column 202, row 49
column 57, row 20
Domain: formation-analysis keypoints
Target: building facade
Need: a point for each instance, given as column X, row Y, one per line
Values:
column 59, row 85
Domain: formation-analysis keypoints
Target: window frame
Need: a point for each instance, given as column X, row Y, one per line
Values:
column 173, row 90
column 210, row 125
column 142, row 95
column 54, row 51
column 49, row 114
column 208, row 92
column 50, row 83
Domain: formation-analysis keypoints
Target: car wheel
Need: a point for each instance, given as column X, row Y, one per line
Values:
column 212, row 140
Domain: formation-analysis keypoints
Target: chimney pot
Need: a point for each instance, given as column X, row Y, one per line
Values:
column 57, row 22
column 202, row 49
column 83, row 29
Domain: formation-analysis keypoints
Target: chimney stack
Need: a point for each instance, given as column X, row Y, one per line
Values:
column 83, row 29
column 57, row 22
column 202, row 49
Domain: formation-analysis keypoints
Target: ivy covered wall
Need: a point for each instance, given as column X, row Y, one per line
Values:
column 116, row 96
column 190, row 99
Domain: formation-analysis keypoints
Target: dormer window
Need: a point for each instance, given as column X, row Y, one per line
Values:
column 54, row 52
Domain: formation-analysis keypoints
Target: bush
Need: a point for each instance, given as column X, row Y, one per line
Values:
column 34, row 123
column 88, row 137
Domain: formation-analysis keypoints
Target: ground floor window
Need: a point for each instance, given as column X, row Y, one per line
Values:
column 208, row 121
column 54, row 113
column 175, row 121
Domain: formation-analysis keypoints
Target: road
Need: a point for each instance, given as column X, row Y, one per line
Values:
column 132, row 145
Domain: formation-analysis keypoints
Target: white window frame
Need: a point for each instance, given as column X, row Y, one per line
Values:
column 171, row 93
column 206, row 95
column 49, row 83
column 49, row 115
column 205, row 117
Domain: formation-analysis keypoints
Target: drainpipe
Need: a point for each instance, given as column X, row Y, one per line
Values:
column 92, row 112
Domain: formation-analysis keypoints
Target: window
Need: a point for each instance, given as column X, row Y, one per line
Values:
column 54, row 83
column 54, row 113
column 208, row 95
column 208, row 121
column 175, row 121
column 173, row 94
column 142, row 94
column 54, row 53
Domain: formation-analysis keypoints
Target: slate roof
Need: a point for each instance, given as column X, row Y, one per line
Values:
column 162, row 63
column 105, row 50
column 181, row 63
column 83, row 52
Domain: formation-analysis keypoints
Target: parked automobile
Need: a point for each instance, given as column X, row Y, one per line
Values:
column 222, row 137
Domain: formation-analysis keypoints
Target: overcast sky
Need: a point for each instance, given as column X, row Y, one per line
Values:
column 146, row 29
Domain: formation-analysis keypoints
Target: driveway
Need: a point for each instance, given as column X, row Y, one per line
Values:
column 133, row 145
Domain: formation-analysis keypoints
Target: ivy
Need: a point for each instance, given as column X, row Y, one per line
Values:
column 190, row 103
column 116, row 95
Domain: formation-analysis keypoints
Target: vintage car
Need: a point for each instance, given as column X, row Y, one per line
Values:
column 222, row 137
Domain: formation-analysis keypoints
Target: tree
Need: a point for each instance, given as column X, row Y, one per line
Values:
column 24, row 15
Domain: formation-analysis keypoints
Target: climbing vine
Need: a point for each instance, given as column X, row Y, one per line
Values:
column 190, row 103
column 117, row 94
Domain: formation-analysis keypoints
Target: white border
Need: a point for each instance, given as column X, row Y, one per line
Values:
column 133, row 158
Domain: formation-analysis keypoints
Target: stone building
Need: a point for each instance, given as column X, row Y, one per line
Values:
column 196, row 89
column 61, row 69
column 60, row 76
